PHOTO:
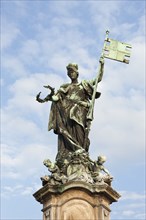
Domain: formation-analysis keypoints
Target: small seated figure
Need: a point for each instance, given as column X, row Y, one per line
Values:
column 52, row 167
column 45, row 179
column 56, row 176
column 98, row 167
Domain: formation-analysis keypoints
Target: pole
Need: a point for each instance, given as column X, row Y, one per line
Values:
column 91, row 108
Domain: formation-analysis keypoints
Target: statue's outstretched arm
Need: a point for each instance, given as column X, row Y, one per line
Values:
column 48, row 97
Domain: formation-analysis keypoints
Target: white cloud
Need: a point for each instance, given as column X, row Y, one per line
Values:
column 18, row 127
column 22, row 103
column 1, row 82
column 19, row 190
column 9, row 33
column 65, row 9
column 132, row 196
column 25, row 162
column 136, row 204
column 121, row 120
column 130, row 206
column 101, row 13
column 13, row 67
column 30, row 51
column 140, row 216
column 128, row 213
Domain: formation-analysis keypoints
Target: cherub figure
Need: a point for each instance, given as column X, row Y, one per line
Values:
column 100, row 173
column 52, row 167
column 56, row 175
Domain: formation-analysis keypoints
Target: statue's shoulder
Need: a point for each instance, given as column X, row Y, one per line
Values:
column 88, row 82
column 64, row 88
column 65, row 85
column 83, row 82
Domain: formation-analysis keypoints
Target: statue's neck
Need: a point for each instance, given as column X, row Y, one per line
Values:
column 74, row 81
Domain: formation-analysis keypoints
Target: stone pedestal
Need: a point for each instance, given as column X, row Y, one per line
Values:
column 76, row 201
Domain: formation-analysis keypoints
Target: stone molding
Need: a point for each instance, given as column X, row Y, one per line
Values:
column 105, row 189
column 76, row 201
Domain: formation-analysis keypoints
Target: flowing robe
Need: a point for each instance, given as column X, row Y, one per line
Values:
column 68, row 116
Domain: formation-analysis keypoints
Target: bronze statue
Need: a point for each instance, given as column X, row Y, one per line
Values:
column 68, row 115
column 70, row 118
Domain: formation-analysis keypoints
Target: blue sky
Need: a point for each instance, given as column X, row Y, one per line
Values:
column 38, row 40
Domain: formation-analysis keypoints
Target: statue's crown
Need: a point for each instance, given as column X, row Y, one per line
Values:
column 73, row 66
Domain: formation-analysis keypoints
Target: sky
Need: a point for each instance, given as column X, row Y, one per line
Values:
column 38, row 39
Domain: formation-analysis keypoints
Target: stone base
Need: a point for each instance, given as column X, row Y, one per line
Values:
column 76, row 201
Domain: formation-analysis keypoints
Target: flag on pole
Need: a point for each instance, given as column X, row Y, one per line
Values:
column 117, row 50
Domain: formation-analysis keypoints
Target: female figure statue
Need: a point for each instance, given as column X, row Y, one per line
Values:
column 68, row 115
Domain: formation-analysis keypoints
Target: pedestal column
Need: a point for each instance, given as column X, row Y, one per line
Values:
column 76, row 201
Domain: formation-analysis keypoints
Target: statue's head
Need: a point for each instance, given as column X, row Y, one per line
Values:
column 101, row 159
column 47, row 162
column 72, row 68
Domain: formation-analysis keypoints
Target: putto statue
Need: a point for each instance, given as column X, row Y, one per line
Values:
column 71, row 115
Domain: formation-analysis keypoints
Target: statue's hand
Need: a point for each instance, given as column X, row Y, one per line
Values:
column 55, row 98
column 51, row 88
column 38, row 96
column 39, row 99
column 101, row 60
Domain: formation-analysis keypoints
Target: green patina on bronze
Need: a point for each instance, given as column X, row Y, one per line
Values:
column 71, row 115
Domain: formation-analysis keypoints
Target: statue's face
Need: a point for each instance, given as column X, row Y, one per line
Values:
column 72, row 74
column 47, row 163
column 101, row 161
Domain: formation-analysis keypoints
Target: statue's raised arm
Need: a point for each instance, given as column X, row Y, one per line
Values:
column 48, row 97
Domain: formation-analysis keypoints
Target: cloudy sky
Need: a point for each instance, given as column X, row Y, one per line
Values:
column 38, row 39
